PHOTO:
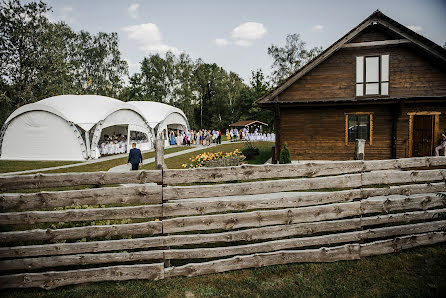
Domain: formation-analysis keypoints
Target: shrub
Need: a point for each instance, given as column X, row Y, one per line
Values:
column 285, row 156
column 250, row 152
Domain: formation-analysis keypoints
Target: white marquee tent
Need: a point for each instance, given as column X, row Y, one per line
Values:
column 69, row 127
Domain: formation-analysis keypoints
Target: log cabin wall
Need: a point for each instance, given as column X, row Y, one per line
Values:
column 319, row 133
column 334, row 79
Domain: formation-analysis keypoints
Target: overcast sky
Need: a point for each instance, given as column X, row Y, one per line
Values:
column 236, row 34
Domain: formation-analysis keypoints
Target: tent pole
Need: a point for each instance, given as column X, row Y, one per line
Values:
column 87, row 141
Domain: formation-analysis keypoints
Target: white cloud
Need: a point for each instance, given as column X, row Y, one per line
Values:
column 133, row 10
column 149, row 38
column 317, row 28
column 249, row 31
column 243, row 43
column 415, row 28
column 221, row 42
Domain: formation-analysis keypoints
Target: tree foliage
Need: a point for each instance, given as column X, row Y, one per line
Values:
column 40, row 58
column 291, row 57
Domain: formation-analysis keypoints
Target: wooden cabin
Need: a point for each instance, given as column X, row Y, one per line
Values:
column 381, row 82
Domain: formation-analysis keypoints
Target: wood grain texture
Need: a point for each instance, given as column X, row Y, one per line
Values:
column 140, row 194
column 146, row 228
column 53, row 279
column 331, row 254
column 252, row 172
column 71, row 179
column 263, row 233
column 80, row 259
column 32, row 217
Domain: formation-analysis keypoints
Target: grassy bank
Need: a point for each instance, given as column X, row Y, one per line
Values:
column 7, row 166
column 177, row 161
column 108, row 164
column 419, row 272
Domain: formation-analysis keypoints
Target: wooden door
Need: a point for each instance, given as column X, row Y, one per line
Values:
column 423, row 135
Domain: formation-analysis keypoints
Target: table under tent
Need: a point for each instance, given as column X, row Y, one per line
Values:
column 74, row 127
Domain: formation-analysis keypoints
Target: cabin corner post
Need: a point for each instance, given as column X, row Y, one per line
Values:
column 277, row 128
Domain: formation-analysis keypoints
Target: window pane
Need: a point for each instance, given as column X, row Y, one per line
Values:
column 384, row 88
column 359, row 89
column 352, row 127
column 372, row 69
column 385, row 68
column 359, row 69
column 363, row 127
column 358, row 127
column 372, row 88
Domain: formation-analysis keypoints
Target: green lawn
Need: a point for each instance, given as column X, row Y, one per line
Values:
column 108, row 164
column 177, row 161
column 23, row 165
column 419, row 272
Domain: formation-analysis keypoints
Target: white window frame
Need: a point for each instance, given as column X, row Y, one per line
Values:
column 363, row 87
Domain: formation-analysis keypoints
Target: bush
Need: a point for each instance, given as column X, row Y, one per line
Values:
column 285, row 156
column 250, row 152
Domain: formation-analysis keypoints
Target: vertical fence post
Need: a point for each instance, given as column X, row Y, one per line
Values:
column 159, row 154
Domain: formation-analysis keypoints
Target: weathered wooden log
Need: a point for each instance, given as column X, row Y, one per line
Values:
column 406, row 189
column 71, row 179
column 272, row 232
column 53, row 279
column 331, row 254
column 261, row 187
column 356, row 236
column 146, row 228
column 252, row 172
column 141, row 194
column 341, row 182
column 385, row 204
column 32, row 217
column 232, row 221
column 80, row 259
column 159, row 154
column 393, row 177
column 400, row 243
column 263, row 201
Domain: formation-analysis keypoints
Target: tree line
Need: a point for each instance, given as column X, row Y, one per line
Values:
column 40, row 59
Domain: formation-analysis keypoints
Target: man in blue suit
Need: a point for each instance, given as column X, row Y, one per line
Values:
column 135, row 157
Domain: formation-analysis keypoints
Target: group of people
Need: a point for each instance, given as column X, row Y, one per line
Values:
column 235, row 134
column 115, row 144
column 192, row 137
column 206, row 137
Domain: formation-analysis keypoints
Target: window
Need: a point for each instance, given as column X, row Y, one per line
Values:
column 358, row 126
column 372, row 75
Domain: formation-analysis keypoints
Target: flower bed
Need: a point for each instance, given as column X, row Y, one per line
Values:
column 217, row 159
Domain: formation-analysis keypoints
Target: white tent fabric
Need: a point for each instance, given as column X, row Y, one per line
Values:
column 68, row 127
column 160, row 115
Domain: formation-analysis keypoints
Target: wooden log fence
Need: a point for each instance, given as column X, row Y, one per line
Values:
column 248, row 218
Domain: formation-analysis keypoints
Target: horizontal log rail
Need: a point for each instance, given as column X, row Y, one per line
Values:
column 244, row 172
column 253, row 234
column 141, row 194
column 40, row 180
column 332, row 182
column 207, row 253
column 310, row 169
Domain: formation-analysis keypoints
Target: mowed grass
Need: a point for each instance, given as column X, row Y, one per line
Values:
column 419, row 272
column 108, row 164
column 7, row 166
column 176, row 162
